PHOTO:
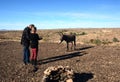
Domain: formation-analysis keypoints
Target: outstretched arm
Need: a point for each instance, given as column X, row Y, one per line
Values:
column 39, row 37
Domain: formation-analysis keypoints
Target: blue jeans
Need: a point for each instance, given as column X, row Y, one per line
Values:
column 26, row 57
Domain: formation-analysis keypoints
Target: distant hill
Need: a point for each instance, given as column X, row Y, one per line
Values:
column 3, row 30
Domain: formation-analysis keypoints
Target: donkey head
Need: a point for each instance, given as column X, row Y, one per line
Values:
column 61, row 37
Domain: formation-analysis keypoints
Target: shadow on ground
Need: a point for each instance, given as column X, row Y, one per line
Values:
column 82, row 77
column 84, row 48
column 62, row 57
column 66, row 56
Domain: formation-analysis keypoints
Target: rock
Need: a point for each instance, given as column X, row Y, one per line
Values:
column 58, row 74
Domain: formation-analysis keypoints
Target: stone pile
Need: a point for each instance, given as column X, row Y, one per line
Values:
column 58, row 74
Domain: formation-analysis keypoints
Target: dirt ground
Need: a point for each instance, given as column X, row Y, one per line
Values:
column 90, row 63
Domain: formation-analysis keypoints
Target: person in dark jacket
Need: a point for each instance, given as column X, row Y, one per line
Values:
column 25, row 41
column 34, row 41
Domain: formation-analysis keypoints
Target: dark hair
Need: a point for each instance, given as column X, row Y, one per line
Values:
column 35, row 28
column 32, row 25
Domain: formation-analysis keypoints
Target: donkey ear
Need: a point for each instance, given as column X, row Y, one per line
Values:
column 60, row 33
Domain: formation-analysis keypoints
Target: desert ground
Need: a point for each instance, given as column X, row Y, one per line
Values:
column 96, row 58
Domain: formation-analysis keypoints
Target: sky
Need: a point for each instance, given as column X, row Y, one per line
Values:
column 55, row 14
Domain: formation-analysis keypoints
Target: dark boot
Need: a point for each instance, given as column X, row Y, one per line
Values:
column 35, row 62
column 35, row 67
column 32, row 62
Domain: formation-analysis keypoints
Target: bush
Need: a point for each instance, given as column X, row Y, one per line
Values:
column 83, row 33
column 96, row 41
column 115, row 40
column 106, row 41
column 72, row 33
column 99, row 42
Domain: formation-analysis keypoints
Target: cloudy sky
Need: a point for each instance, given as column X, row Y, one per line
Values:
column 52, row 14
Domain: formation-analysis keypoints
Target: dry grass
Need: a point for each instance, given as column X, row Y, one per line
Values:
column 107, row 36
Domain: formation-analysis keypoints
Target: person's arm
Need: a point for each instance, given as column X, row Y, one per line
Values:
column 27, row 31
column 21, row 42
column 39, row 37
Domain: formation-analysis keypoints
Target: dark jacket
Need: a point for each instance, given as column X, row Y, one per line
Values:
column 34, row 40
column 25, row 40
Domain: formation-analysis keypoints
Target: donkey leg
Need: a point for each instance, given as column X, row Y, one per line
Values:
column 74, row 45
column 71, row 45
column 67, row 46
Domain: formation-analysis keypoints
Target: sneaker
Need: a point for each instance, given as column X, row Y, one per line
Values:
column 25, row 63
column 35, row 69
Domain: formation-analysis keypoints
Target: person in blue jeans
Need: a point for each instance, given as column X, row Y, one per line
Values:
column 25, row 41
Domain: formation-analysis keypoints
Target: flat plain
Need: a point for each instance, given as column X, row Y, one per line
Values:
column 96, row 58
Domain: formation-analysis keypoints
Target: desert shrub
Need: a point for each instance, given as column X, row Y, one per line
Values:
column 96, row 41
column 83, row 33
column 106, row 41
column 79, row 34
column 62, row 31
column 46, row 38
column 115, row 39
column 72, row 33
column 100, row 42
column 4, row 37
